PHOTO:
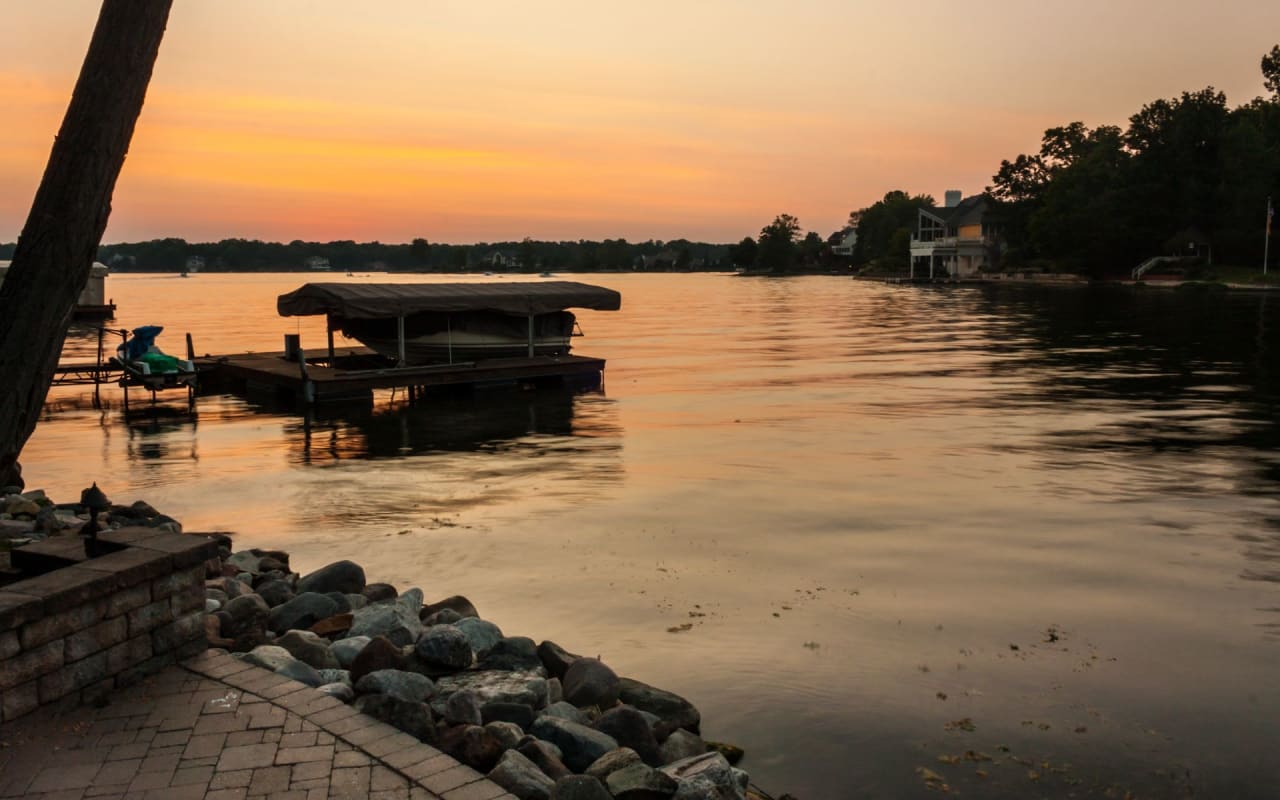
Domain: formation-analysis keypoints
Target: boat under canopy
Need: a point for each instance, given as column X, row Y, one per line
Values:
column 426, row 323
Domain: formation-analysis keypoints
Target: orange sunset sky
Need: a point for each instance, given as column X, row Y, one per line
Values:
column 490, row 120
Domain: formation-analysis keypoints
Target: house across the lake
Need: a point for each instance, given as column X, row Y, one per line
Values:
column 954, row 241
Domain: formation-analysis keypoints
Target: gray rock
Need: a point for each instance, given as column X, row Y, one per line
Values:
column 342, row 691
column 345, row 650
column 546, row 755
column 565, row 710
column 640, row 782
column 462, row 708
column 411, row 599
column 507, row 734
column 445, row 616
column 613, row 761
column 479, row 748
column 276, row 592
column 355, row 601
column 302, row 673
column 244, row 561
column 521, row 777
column 457, row 603
column 308, row 648
column 555, row 690
column 581, row 745
column 590, row 682
column 234, row 588
column 579, row 787
column 414, row 719
column 706, row 776
column 630, row 728
column 268, row 657
column 497, row 686
column 398, row 621
column 518, row 714
column 408, row 686
column 379, row 592
column 555, row 658
column 482, row 634
column 444, row 647
column 215, row 594
column 340, row 603
column 301, row 612
column 681, row 745
column 211, row 605
column 335, row 676
column 517, row 653
column 672, row 708
column 243, row 613
column 340, row 576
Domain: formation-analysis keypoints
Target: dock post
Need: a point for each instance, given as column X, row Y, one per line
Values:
column 530, row 335
column 97, row 373
column 191, row 349
column 328, row 326
column 400, row 335
column 308, row 388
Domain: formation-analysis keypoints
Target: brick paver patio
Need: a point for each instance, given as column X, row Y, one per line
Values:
column 217, row 728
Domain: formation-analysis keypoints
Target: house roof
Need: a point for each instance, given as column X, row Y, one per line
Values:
column 968, row 212
column 381, row 300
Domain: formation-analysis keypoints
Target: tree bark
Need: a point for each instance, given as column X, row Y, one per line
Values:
column 69, row 214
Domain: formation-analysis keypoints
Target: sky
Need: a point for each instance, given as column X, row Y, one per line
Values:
column 489, row 120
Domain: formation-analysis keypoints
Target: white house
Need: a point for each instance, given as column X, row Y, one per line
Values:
column 956, row 238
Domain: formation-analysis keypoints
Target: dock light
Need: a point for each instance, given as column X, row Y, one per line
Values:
column 96, row 501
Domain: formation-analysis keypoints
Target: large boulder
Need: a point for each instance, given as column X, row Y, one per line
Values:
column 681, row 744
column 482, row 634
column 590, row 682
column 444, row 647
column 463, row 708
column 555, row 658
column 674, row 710
column 308, row 648
column 378, row 654
column 340, row 576
column 581, row 745
column 707, row 776
column 396, row 620
column 243, row 614
column 301, row 612
column 630, row 728
column 405, row 685
column 517, row 653
column 496, row 686
column 346, row 650
column 414, row 719
column 521, row 777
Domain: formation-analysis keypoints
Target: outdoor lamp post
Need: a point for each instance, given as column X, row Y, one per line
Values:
column 97, row 502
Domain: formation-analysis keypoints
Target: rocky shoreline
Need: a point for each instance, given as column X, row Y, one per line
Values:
column 538, row 720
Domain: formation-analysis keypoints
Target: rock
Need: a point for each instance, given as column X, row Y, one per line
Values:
column 520, row 776
column 555, row 690
column 346, row 650
column 20, row 506
column 47, row 521
column 482, row 634
column 445, row 647
column 301, row 612
column 414, row 719
column 215, row 594
column 340, row 602
column 330, row 626
column 613, row 761
column 268, row 657
column 480, row 749
column 340, row 576
column 380, row 653
column 342, row 691
column 579, row 787
column 630, row 728
column 379, row 592
column 270, row 564
column 211, row 605
column 244, row 621
column 276, row 592
column 705, row 776
column 517, row 653
column 463, row 708
column 590, row 682
column 581, row 745
column 356, row 601
column 308, row 648
column 546, row 755
column 507, row 734
column 397, row 621
column 555, row 658
column 732, row 753
column 516, row 713
column 456, row 603
column 445, row 616
column 567, row 711
column 244, row 561
column 672, row 708
column 232, row 588
column 640, row 782
column 303, row 673
column 496, row 686
column 408, row 686
column 411, row 599
column 279, row 558
column 681, row 745
column 335, row 676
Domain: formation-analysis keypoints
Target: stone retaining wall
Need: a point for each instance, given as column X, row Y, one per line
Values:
column 81, row 630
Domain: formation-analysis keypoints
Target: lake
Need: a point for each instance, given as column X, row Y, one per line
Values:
column 878, row 534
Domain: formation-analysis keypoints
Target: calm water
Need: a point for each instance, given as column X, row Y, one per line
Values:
column 885, row 514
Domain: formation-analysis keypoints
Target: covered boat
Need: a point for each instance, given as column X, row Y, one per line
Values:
column 431, row 323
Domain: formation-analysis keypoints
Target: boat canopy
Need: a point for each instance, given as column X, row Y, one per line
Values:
column 381, row 300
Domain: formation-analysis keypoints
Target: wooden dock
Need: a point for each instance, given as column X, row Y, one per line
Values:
column 315, row 380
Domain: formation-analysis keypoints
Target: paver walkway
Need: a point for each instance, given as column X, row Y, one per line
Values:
column 217, row 728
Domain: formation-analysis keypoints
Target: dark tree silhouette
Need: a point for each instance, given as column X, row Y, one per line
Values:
column 69, row 214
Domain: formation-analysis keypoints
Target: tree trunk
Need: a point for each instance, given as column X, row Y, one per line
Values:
column 55, row 251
